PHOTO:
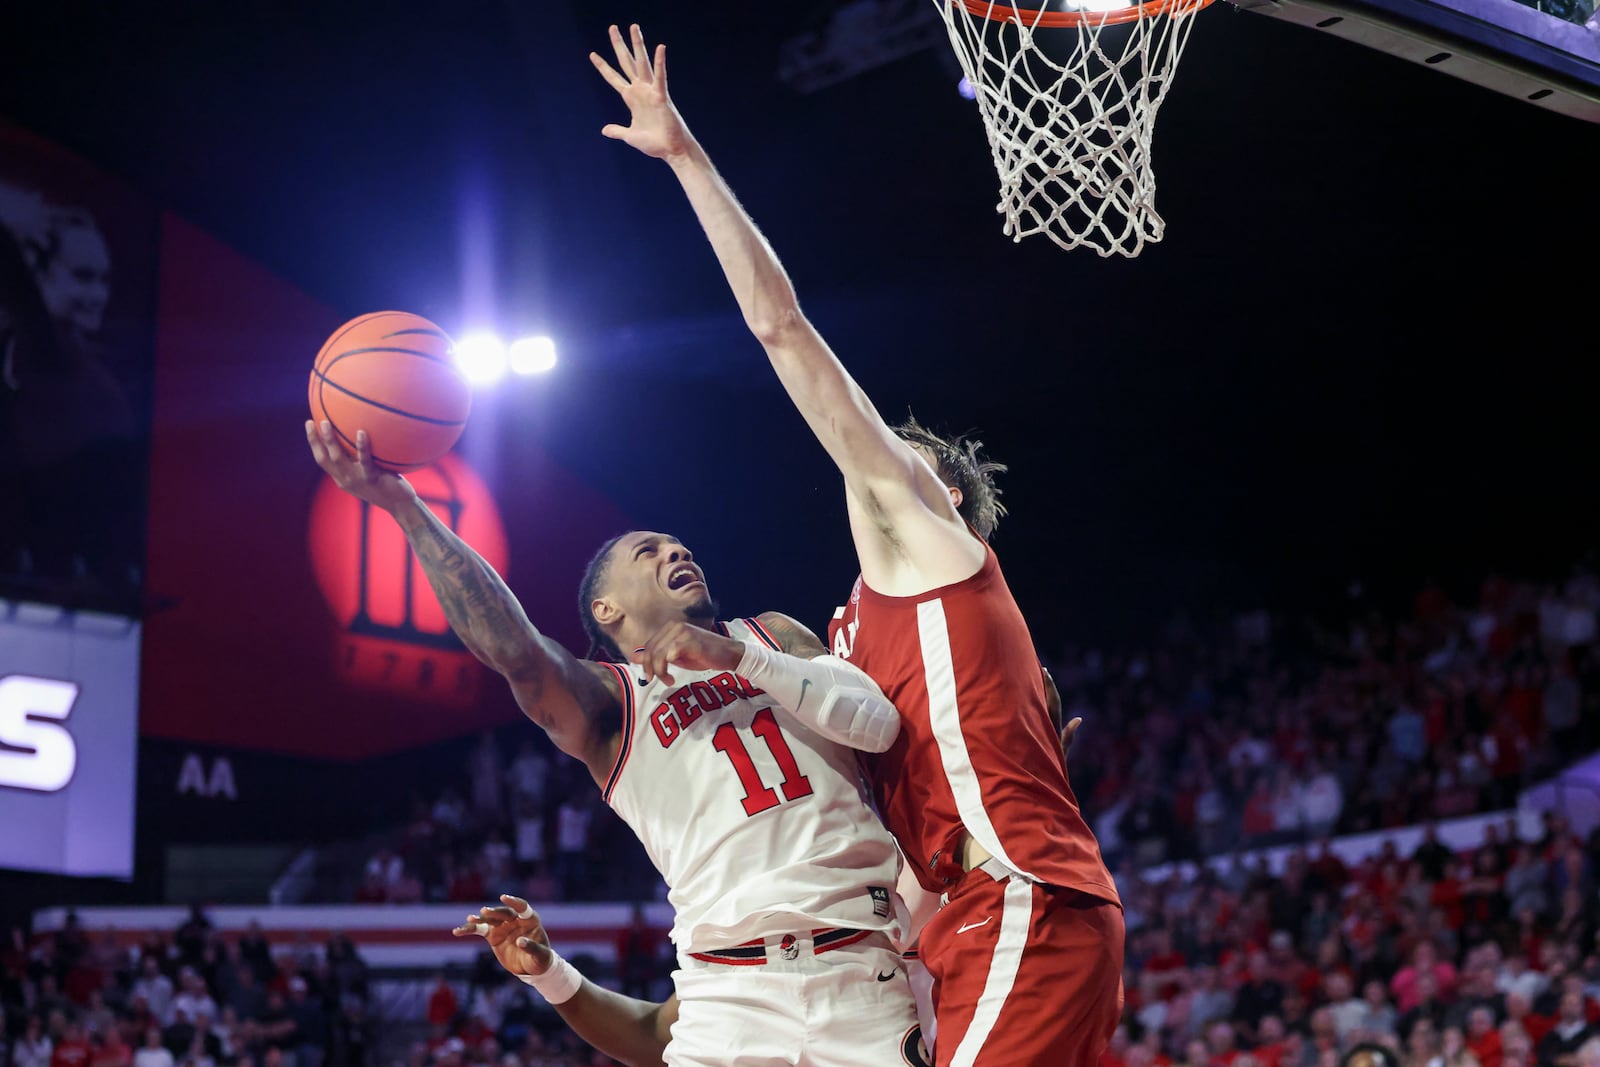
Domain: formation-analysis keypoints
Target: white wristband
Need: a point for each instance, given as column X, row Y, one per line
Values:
column 558, row 984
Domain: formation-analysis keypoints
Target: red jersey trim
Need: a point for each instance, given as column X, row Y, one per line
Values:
column 761, row 632
column 627, row 731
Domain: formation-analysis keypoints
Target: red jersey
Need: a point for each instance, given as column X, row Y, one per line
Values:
column 977, row 753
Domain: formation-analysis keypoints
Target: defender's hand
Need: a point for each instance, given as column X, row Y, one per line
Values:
column 656, row 128
column 1068, row 732
column 358, row 476
column 514, row 932
column 689, row 646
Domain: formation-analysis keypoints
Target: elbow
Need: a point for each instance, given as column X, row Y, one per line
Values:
column 878, row 725
column 883, row 740
column 858, row 719
column 514, row 660
column 774, row 325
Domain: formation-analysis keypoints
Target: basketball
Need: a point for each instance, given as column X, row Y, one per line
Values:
column 392, row 374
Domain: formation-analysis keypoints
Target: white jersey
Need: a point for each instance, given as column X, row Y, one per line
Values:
column 758, row 826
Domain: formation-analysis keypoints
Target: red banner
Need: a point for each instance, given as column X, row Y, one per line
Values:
column 262, row 634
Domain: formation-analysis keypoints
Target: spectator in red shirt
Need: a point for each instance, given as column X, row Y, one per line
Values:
column 442, row 1002
column 1269, row 1048
column 1220, row 1041
column 1327, row 870
column 1482, row 1036
column 1519, row 1010
column 464, row 882
column 1260, row 817
column 638, row 947
column 109, row 1050
column 1424, row 960
column 1162, row 958
column 72, row 1050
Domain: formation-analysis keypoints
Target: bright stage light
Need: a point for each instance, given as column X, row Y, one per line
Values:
column 482, row 358
column 532, row 355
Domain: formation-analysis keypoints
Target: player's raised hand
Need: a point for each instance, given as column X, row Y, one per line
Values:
column 357, row 475
column 514, row 933
column 1068, row 732
column 656, row 128
column 689, row 646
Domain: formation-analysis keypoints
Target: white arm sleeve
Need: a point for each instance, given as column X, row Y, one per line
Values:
column 836, row 700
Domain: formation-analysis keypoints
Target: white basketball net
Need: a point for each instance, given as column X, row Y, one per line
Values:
column 1070, row 121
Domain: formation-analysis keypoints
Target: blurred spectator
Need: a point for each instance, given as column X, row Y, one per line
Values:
column 464, row 882
column 190, row 940
column 1453, row 1051
column 72, row 1049
column 1483, row 1037
column 638, row 949
column 152, row 1053
column 155, row 989
column 248, row 999
column 529, row 831
column 385, row 869
column 1559, row 1047
column 442, row 1004
column 450, row 813
column 529, row 774
column 194, row 1001
column 1321, row 802
column 255, row 953
column 540, row 887
column 110, row 1050
column 496, row 862
column 573, row 821
column 310, row 1024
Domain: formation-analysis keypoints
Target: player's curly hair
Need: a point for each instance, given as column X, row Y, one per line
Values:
column 594, row 576
column 962, row 464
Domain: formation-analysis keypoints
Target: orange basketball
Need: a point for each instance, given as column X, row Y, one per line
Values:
column 392, row 374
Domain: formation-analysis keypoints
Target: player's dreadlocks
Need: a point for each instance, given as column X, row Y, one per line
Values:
column 961, row 463
column 593, row 577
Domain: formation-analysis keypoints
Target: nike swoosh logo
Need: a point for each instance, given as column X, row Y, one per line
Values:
column 974, row 926
column 803, row 683
column 886, row 977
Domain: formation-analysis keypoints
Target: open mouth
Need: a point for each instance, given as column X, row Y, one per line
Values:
column 682, row 577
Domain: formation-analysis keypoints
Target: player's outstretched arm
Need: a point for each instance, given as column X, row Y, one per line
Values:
column 570, row 699
column 906, row 516
column 633, row 1031
column 829, row 696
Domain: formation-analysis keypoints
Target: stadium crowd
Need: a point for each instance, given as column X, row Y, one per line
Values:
column 1486, row 958
column 1265, row 733
column 194, row 998
column 187, row 997
column 1275, row 731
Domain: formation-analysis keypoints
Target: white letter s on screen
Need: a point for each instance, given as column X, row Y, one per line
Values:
column 49, row 755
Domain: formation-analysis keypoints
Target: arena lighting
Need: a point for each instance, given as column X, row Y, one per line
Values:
column 482, row 358
column 966, row 90
column 532, row 355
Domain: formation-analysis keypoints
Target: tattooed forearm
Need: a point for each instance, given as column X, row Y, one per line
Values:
column 482, row 611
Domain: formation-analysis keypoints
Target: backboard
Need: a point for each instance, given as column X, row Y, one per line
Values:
column 1542, row 51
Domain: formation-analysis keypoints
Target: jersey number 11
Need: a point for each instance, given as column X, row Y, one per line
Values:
column 758, row 796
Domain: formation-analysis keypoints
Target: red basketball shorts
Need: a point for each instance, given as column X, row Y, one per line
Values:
column 1025, row 975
